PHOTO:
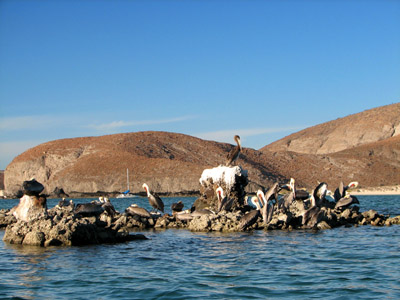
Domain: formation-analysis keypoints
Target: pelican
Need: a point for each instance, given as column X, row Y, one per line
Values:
column 108, row 207
column 342, row 190
column 298, row 194
column 154, row 200
column 267, row 210
column 224, row 203
column 177, row 207
column 273, row 192
column 252, row 216
column 346, row 201
column 320, row 193
column 249, row 219
column 234, row 153
column 202, row 212
column 184, row 215
column 88, row 209
column 312, row 215
column 256, row 202
column 134, row 209
column 64, row 203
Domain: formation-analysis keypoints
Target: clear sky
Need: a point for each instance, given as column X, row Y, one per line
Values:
column 207, row 68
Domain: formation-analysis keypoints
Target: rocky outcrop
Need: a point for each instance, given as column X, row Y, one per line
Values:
column 6, row 218
column 61, row 226
column 232, row 180
column 344, row 133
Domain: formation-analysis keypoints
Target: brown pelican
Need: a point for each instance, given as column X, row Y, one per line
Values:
column 202, row 212
column 177, row 207
column 346, row 201
column 134, row 209
column 256, row 202
column 267, row 209
column 65, row 203
column 234, row 153
column 154, row 200
column 88, row 209
column 224, row 203
column 108, row 207
column 342, row 190
column 312, row 216
column 298, row 194
column 320, row 193
column 184, row 215
column 249, row 219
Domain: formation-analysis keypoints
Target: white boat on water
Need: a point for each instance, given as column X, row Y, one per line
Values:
column 127, row 193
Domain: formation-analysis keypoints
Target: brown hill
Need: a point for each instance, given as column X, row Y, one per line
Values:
column 1, row 180
column 170, row 163
column 374, row 164
column 354, row 130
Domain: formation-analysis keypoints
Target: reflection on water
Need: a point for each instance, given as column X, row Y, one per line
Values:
column 342, row 263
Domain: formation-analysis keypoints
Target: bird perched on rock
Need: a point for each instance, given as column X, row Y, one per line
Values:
column 249, row 219
column 224, row 203
column 134, row 209
column 342, row 190
column 108, row 207
column 346, row 201
column 177, row 207
column 268, row 209
column 88, row 209
column 154, row 200
column 319, row 193
column 234, row 153
column 312, row 216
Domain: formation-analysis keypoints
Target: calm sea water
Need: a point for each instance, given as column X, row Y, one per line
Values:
column 343, row 263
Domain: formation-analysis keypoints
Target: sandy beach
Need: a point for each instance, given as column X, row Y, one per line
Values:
column 384, row 190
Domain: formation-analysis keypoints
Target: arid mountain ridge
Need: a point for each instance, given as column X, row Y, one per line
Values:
column 172, row 163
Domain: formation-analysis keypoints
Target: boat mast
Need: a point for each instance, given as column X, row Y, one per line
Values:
column 127, row 177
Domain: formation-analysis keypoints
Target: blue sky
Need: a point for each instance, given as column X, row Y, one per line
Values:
column 211, row 69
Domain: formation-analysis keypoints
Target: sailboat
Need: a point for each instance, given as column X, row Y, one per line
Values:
column 127, row 193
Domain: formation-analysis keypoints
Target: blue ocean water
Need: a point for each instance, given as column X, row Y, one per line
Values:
column 343, row 263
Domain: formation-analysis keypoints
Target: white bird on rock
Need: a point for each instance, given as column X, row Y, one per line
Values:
column 154, row 200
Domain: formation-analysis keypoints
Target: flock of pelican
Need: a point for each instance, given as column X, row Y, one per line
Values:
column 308, row 205
column 269, row 203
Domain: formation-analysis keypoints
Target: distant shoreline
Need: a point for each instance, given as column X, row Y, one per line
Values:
column 389, row 190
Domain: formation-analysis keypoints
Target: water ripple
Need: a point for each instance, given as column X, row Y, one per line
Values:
column 343, row 263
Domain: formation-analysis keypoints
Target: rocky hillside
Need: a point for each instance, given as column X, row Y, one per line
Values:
column 169, row 163
column 374, row 164
column 172, row 163
column 354, row 130
column 1, row 180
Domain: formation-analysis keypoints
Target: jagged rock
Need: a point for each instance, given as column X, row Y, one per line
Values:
column 6, row 218
column 30, row 208
column 32, row 187
column 323, row 225
column 163, row 221
column 34, row 238
column 392, row 221
column 370, row 215
column 232, row 180
column 61, row 226
column 201, row 223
